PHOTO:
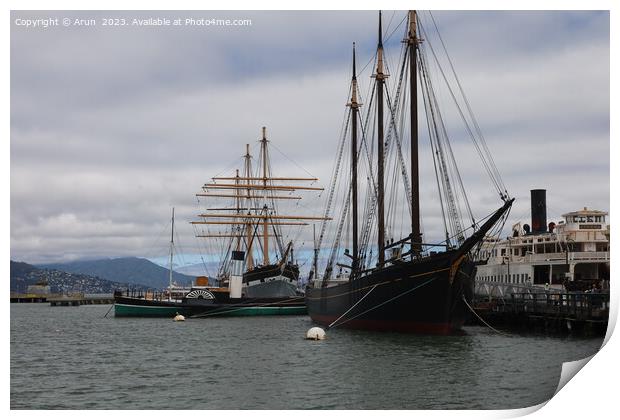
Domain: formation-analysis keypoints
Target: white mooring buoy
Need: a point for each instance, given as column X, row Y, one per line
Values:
column 179, row 317
column 315, row 333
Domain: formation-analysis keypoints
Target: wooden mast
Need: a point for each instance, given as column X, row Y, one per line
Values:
column 315, row 261
column 246, row 212
column 171, row 256
column 354, row 110
column 412, row 41
column 238, row 202
column 380, row 81
column 249, row 259
column 266, row 209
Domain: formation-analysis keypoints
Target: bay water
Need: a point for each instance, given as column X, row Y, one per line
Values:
column 76, row 358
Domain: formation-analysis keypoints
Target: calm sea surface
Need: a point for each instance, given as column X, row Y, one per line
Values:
column 74, row 358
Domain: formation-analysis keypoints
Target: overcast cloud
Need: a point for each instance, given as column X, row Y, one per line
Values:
column 111, row 127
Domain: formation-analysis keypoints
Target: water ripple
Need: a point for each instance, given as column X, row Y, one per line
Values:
column 73, row 358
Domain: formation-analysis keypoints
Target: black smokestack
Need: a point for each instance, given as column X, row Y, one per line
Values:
column 539, row 211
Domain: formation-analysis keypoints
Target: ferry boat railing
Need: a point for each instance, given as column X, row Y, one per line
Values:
column 496, row 290
column 586, row 305
column 555, row 257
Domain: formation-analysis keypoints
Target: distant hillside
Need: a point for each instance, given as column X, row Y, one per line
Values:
column 195, row 270
column 124, row 270
column 24, row 275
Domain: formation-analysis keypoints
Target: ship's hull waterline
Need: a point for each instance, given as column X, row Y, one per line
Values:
column 137, row 307
column 424, row 297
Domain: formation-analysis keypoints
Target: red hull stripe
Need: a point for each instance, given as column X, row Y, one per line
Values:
column 387, row 325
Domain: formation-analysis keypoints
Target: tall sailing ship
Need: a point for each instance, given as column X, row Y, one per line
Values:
column 418, row 286
column 254, row 227
column 258, row 273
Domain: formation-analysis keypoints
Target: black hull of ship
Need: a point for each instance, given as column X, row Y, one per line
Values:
column 428, row 295
column 260, row 282
column 417, row 297
column 290, row 271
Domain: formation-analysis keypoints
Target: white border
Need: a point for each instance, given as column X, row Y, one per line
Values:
column 590, row 395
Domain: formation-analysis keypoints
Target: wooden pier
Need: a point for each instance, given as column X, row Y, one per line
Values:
column 76, row 299
column 570, row 312
column 28, row 298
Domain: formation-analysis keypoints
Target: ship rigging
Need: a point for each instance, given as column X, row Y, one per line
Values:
column 253, row 225
column 390, row 207
column 402, row 181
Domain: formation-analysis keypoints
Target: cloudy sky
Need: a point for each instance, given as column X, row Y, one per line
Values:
column 112, row 126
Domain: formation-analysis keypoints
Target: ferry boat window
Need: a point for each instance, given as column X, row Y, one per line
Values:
column 590, row 219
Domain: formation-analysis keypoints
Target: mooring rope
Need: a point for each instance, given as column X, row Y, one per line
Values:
column 349, row 310
column 482, row 320
column 384, row 303
column 106, row 314
column 239, row 307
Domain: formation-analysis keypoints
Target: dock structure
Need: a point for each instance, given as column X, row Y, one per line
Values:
column 553, row 312
column 28, row 298
column 81, row 299
column 76, row 299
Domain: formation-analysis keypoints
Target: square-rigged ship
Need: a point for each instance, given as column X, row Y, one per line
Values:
column 252, row 230
column 420, row 287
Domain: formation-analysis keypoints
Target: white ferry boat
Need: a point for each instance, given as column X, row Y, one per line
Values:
column 570, row 255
